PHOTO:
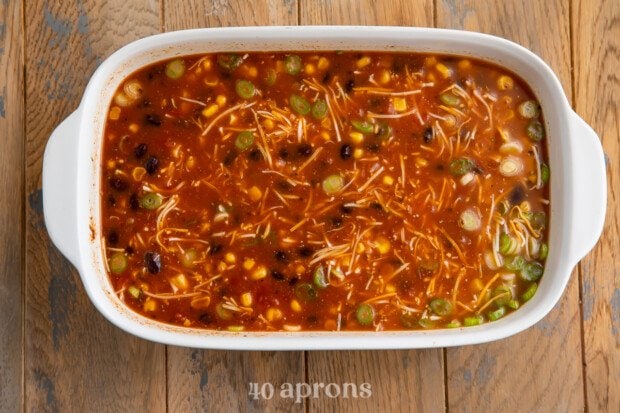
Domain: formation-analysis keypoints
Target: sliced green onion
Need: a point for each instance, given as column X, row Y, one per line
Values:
column 270, row 77
column 118, row 263
column 514, row 263
column 189, row 257
column 441, row 306
column 544, row 173
column 530, row 292
column 544, row 251
column 511, row 166
column 535, row 131
column 496, row 314
column 134, row 291
column 363, row 126
column 244, row 140
column 245, row 89
column 461, row 166
column 151, row 200
column 505, row 292
column 426, row 323
column 470, row 220
column 222, row 312
column 532, row 271
column 319, row 109
column 514, row 304
column 333, row 184
column 175, row 69
column 453, row 324
column 537, row 219
column 319, row 278
column 508, row 245
column 299, row 104
column 529, row 109
column 365, row 314
column 473, row 321
column 409, row 320
column 229, row 62
column 292, row 64
column 306, row 292
column 449, row 99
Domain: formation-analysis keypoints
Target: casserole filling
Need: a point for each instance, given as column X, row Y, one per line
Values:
column 324, row 191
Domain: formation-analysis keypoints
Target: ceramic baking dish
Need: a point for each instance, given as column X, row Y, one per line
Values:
column 71, row 178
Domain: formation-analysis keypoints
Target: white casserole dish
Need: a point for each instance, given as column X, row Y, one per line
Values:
column 71, row 178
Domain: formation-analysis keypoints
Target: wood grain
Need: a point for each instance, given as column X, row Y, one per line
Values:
column 75, row 360
column 11, row 204
column 411, row 380
column 596, row 47
column 201, row 380
column 540, row 369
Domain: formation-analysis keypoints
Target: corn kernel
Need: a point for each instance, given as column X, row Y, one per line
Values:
column 390, row 288
column 111, row 164
column 357, row 137
column 384, row 77
column 464, row 64
column 444, row 70
column 505, row 83
column 388, row 180
column 210, row 110
column 295, row 306
column 420, row 162
column 190, row 163
column 430, row 77
column 477, row 284
column 400, row 104
column 361, row 248
column 383, row 245
column 221, row 266
column 300, row 270
column 252, row 71
column 268, row 124
column 220, row 100
column 310, row 69
column 115, row 113
column 273, row 314
column 259, row 273
column 248, row 263
column 133, row 128
column 325, row 135
column 150, row 305
column 358, row 153
column 323, row 63
column 138, row 173
column 363, row 62
column 180, row 281
column 255, row 194
column 206, row 64
column 246, row 299
column 187, row 323
column 230, row 258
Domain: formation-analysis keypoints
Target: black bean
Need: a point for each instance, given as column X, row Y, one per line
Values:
column 517, row 195
column 346, row 151
column 152, row 260
column 293, row 281
column 134, row 202
column 304, row 150
column 345, row 210
column 216, row 248
column 283, row 153
column 336, row 222
column 140, row 150
column 277, row 275
column 255, row 155
column 153, row 119
column 281, row 256
column 129, row 250
column 348, row 87
column 376, row 206
column 113, row 237
column 428, row 135
column 118, row 184
column 206, row 318
column 151, row 165
column 229, row 158
column 327, row 77
column 305, row 251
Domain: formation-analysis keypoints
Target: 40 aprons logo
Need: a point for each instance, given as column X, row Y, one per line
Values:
column 300, row 391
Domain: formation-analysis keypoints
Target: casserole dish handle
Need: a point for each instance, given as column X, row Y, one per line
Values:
column 60, row 187
column 590, row 190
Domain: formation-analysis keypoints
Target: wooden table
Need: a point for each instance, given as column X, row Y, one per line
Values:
column 57, row 353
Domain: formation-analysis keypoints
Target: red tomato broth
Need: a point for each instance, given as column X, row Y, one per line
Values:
column 255, row 223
